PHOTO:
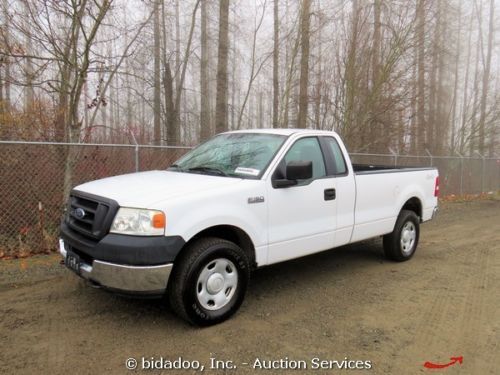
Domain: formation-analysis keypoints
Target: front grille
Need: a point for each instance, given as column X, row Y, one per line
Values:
column 90, row 215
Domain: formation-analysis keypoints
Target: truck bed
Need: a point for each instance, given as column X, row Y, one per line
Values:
column 372, row 168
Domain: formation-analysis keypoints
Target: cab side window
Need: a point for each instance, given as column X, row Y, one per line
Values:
column 338, row 158
column 307, row 149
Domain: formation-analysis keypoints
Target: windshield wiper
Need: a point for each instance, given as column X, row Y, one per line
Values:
column 175, row 166
column 210, row 170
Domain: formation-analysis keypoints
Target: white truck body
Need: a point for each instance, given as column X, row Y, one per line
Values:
column 290, row 223
column 281, row 223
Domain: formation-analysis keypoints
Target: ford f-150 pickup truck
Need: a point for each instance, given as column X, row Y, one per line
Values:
column 242, row 200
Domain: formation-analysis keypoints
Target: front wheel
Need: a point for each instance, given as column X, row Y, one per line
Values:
column 400, row 245
column 209, row 281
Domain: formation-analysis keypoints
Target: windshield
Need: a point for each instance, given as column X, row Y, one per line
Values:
column 244, row 155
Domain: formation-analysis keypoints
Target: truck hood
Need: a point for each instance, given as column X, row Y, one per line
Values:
column 145, row 188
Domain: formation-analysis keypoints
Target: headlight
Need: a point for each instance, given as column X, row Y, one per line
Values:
column 139, row 222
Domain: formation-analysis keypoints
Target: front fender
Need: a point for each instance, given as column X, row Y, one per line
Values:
column 189, row 216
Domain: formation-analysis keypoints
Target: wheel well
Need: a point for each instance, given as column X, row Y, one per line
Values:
column 414, row 204
column 233, row 234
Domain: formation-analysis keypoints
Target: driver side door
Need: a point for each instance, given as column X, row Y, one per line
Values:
column 302, row 217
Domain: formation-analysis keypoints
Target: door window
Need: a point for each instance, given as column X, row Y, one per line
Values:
column 307, row 149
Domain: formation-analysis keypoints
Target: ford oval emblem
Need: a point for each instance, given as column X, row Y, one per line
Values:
column 80, row 213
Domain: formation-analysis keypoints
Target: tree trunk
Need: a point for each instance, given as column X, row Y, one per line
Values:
column 205, row 128
column 289, row 83
column 304, row 63
column 157, row 76
column 318, row 95
column 374, row 131
column 2, row 109
column 232, row 124
column 261, row 110
column 171, row 115
column 475, row 90
column 486, row 77
column 441, row 125
column 413, row 105
column 177, row 63
column 29, row 94
column 463, row 123
column 176, row 129
column 286, row 96
column 221, row 96
column 455, row 84
column 6, row 63
column 433, row 87
column 254, row 70
column 351, row 81
column 276, row 66
column 421, row 76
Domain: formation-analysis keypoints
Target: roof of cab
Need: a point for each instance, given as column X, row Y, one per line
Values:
column 281, row 131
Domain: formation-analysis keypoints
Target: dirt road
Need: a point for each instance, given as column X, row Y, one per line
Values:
column 349, row 302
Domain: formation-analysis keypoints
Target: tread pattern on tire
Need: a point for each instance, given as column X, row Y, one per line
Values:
column 183, row 266
column 392, row 247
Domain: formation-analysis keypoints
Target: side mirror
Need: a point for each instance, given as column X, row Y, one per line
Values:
column 299, row 170
column 295, row 170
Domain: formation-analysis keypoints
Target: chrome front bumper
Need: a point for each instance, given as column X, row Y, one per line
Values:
column 123, row 278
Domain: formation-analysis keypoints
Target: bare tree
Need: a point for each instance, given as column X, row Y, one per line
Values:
column 486, row 78
column 255, row 67
column 421, row 124
column 375, row 57
column 5, row 62
column 433, row 82
column 290, row 61
column 350, row 68
column 157, row 76
column 465, row 99
column 222, row 57
column 405, row 75
column 453, row 142
column 173, row 101
column 276, row 66
column 205, row 126
column 473, row 131
column 304, row 63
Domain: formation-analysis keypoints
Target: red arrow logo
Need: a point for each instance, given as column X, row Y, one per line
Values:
column 453, row 361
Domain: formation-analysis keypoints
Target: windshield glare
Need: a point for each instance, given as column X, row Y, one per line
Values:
column 244, row 155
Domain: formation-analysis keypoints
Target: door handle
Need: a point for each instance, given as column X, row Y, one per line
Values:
column 330, row 194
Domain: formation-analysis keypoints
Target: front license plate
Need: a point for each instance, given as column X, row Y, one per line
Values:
column 73, row 261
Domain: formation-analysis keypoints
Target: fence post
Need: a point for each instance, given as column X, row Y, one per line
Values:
column 395, row 156
column 136, row 150
column 137, row 158
column 483, row 175
column 482, row 170
column 461, row 173
column 430, row 155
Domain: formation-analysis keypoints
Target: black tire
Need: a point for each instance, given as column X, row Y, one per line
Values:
column 184, row 287
column 398, row 245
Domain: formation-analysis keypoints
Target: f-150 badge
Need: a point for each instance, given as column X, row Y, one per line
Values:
column 256, row 199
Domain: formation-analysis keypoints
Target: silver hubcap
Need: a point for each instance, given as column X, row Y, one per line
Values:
column 217, row 284
column 408, row 236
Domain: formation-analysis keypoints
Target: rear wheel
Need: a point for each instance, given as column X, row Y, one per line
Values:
column 209, row 281
column 401, row 244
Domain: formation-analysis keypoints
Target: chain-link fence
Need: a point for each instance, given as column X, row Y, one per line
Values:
column 32, row 175
column 457, row 175
column 32, row 178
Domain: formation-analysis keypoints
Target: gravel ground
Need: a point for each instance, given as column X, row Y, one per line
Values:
column 349, row 303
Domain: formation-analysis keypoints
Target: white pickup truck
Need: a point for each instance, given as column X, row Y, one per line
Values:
column 242, row 200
